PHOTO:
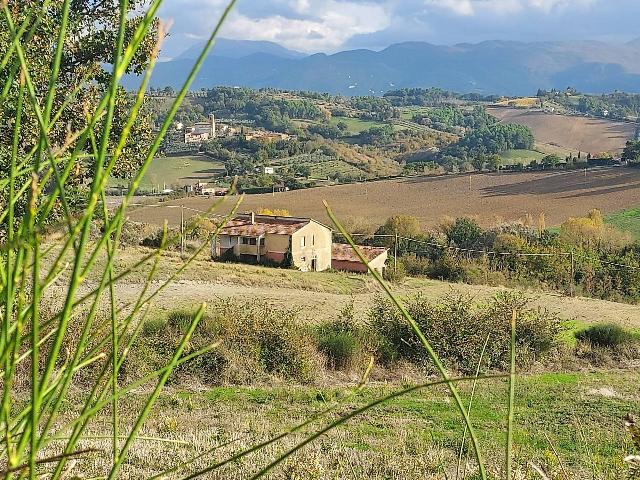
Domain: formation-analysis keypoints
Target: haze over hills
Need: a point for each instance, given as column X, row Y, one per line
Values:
column 492, row 67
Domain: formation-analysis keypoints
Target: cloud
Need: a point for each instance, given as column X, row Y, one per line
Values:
column 306, row 25
column 331, row 25
column 314, row 25
column 473, row 7
column 460, row 7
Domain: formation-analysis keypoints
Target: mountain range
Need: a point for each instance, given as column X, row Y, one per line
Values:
column 492, row 67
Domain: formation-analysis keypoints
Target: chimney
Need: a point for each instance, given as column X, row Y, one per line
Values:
column 253, row 218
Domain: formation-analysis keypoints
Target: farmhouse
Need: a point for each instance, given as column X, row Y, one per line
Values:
column 301, row 242
column 255, row 238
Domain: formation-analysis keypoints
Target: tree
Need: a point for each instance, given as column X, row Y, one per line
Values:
column 92, row 33
column 631, row 152
column 493, row 162
column 551, row 161
column 343, row 127
column 464, row 233
column 401, row 225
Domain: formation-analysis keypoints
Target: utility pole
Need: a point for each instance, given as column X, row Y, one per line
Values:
column 573, row 273
column 395, row 254
column 182, row 229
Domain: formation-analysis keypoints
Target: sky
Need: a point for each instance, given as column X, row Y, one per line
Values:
column 313, row 26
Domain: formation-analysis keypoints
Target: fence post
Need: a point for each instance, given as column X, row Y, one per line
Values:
column 182, row 229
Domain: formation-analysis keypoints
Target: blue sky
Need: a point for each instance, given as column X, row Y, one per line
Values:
column 332, row 25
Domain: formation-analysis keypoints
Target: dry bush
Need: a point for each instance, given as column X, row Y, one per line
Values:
column 457, row 329
column 591, row 231
column 257, row 343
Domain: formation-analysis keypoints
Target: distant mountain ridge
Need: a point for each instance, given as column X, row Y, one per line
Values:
column 491, row 67
column 241, row 48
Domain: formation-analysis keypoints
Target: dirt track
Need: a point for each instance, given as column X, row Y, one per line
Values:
column 320, row 306
column 493, row 198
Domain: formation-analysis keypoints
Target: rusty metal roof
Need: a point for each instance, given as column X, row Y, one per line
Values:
column 342, row 252
column 241, row 226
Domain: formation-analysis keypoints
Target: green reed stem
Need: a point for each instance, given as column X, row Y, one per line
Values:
column 425, row 343
column 512, row 393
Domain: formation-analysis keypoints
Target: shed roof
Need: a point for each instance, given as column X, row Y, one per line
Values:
column 342, row 252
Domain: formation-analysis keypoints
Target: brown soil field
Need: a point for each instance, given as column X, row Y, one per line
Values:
column 569, row 132
column 492, row 198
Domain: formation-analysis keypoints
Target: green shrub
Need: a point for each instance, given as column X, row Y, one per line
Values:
column 395, row 272
column 341, row 340
column 154, row 326
column 416, row 266
column 340, row 348
column 457, row 329
column 606, row 335
column 180, row 320
column 155, row 238
column 447, row 267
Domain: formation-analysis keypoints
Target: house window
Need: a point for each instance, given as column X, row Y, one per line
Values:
column 313, row 240
column 262, row 242
column 253, row 241
column 303, row 242
column 244, row 241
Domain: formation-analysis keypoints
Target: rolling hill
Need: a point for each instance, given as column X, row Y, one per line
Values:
column 492, row 67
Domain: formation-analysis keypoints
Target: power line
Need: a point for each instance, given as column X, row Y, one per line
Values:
column 433, row 244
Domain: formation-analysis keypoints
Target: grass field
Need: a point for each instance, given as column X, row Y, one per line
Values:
column 563, row 422
column 627, row 221
column 588, row 135
column 407, row 113
column 331, row 168
column 356, row 125
column 525, row 102
column 523, row 157
column 491, row 198
column 173, row 171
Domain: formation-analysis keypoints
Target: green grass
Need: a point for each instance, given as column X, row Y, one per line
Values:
column 395, row 439
column 407, row 113
column 172, row 171
column 334, row 167
column 523, row 157
column 356, row 125
column 627, row 221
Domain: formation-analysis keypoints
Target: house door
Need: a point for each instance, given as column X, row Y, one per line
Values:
column 314, row 264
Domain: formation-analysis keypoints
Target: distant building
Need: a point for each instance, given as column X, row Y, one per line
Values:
column 223, row 130
column 265, row 136
column 201, row 132
column 269, row 170
column 202, row 188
